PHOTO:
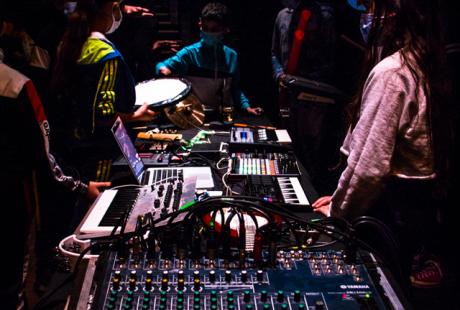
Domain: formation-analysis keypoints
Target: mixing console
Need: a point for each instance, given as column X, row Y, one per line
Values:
column 300, row 280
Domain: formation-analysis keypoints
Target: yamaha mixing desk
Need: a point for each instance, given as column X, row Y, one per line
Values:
column 300, row 280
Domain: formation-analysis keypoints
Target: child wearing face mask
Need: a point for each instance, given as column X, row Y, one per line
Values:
column 209, row 57
column 93, row 86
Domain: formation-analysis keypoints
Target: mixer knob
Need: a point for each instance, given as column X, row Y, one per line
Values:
column 117, row 275
column 148, row 284
column 280, row 296
column 180, row 284
column 229, row 294
column 247, row 296
column 297, row 296
column 196, row 284
column 212, row 276
column 115, row 284
column 263, row 296
column 196, row 275
column 228, row 276
column 164, row 284
column 260, row 275
column 180, row 275
column 132, row 284
column 244, row 276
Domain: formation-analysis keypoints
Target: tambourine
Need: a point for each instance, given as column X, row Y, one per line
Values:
column 163, row 92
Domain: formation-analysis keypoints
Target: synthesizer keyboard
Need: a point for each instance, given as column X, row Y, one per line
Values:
column 159, row 199
column 277, row 189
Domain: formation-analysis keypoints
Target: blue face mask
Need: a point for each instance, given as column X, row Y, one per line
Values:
column 365, row 25
column 212, row 38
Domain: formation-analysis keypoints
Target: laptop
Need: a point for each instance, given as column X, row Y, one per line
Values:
column 152, row 176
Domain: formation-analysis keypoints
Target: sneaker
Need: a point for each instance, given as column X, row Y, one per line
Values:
column 428, row 277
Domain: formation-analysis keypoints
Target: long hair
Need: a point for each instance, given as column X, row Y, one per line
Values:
column 413, row 27
column 77, row 32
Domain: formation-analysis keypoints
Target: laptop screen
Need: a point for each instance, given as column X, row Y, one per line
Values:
column 128, row 149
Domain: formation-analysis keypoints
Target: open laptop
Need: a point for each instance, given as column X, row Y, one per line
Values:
column 157, row 175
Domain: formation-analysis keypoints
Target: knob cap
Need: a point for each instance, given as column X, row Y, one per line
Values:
column 244, row 276
column 280, row 296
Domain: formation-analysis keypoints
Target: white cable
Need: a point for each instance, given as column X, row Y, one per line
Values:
column 228, row 188
column 127, row 185
column 221, row 160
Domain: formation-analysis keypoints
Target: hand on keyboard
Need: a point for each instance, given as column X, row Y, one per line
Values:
column 95, row 188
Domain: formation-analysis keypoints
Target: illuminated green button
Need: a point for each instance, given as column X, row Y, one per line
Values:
column 231, row 307
column 213, row 300
column 180, row 300
column 230, row 300
column 213, row 293
column 266, row 306
column 196, row 307
column 301, row 307
column 213, row 307
column 249, row 307
column 196, row 300
column 284, row 306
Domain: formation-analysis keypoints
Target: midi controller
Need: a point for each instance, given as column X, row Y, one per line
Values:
column 274, row 164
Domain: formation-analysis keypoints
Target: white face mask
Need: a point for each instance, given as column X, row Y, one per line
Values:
column 115, row 23
column 69, row 7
